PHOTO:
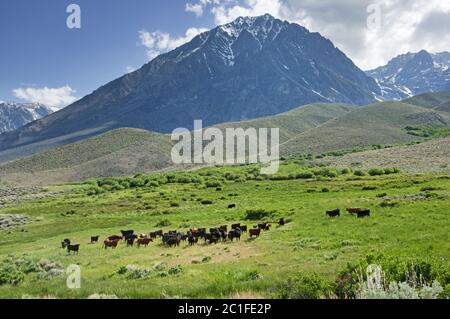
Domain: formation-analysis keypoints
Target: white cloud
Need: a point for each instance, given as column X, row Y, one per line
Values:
column 159, row 42
column 406, row 26
column 197, row 9
column 53, row 97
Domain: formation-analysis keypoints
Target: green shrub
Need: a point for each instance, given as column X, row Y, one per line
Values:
column 359, row 173
column 413, row 271
column 345, row 171
column 376, row 171
column 163, row 223
column 305, row 286
column 258, row 214
column 304, row 175
column 213, row 184
column 392, row 170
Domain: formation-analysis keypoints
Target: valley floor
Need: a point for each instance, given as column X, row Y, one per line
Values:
column 409, row 220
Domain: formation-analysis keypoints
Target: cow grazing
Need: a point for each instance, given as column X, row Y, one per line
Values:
column 353, row 210
column 254, row 232
column 65, row 243
column 173, row 241
column 363, row 213
column 235, row 233
column 223, row 227
column 281, row 222
column 264, row 226
column 234, row 226
column 153, row 235
column 192, row 240
column 333, row 213
column 143, row 236
column 130, row 242
column 73, row 247
column 114, row 237
column 94, row 239
column 243, row 228
column 143, row 241
column 110, row 243
column 231, row 206
column 126, row 233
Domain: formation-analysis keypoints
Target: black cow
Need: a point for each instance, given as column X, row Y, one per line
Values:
column 130, row 236
column 231, row 206
column 126, row 233
column 130, row 241
column 264, row 226
column 234, row 226
column 75, row 248
column 281, row 222
column 254, row 232
column 94, row 239
column 65, row 243
column 235, row 233
column 173, row 241
column 192, row 240
column 334, row 213
column 363, row 213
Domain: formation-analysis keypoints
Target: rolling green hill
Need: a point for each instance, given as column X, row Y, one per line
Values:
column 129, row 151
column 380, row 123
column 296, row 121
column 314, row 128
column 438, row 101
column 119, row 152
column 430, row 156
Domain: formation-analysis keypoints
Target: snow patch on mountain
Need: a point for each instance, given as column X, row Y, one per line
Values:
column 16, row 115
column 412, row 74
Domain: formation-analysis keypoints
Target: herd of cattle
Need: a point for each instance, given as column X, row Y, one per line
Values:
column 174, row 238
column 359, row 212
column 214, row 235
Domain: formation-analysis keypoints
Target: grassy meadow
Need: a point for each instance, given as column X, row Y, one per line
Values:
column 409, row 220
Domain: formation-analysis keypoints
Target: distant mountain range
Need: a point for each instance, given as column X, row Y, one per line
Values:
column 310, row 129
column 16, row 115
column 412, row 74
column 249, row 68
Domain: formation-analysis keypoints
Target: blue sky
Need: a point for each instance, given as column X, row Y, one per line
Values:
column 38, row 50
column 41, row 60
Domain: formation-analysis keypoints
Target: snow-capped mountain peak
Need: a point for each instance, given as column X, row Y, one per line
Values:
column 413, row 73
column 15, row 115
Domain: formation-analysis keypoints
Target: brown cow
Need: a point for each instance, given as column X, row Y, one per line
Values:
column 114, row 237
column 353, row 210
column 143, row 241
column 110, row 243
column 254, row 232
